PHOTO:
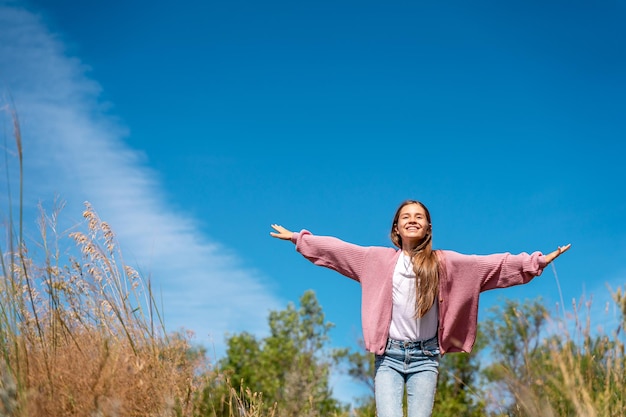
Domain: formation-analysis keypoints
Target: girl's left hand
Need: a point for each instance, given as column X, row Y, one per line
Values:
column 560, row 249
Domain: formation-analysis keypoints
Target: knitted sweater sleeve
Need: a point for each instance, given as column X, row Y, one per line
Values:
column 346, row 258
column 499, row 270
column 463, row 278
column 507, row 270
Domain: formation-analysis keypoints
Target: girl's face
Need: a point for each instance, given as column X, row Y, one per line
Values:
column 412, row 225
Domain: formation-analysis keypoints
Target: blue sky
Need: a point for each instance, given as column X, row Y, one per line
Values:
column 192, row 126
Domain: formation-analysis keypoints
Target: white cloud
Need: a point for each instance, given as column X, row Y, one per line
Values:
column 73, row 149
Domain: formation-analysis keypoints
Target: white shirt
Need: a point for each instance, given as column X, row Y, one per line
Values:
column 404, row 324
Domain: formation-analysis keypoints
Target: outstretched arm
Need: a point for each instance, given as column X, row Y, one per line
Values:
column 330, row 252
column 281, row 232
column 555, row 254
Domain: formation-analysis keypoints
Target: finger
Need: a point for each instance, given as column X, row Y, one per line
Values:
column 562, row 249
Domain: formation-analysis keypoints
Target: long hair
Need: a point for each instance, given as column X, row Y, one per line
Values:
column 425, row 263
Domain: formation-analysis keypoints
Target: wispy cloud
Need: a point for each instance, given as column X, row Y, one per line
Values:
column 75, row 150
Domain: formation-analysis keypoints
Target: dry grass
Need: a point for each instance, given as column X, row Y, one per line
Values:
column 575, row 376
column 79, row 331
column 84, row 339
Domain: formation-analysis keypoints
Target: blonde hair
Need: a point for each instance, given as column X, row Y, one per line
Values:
column 425, row 263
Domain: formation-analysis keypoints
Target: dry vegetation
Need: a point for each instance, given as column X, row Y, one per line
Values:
column 79, row 331
column 577, row 376
column 81, row 337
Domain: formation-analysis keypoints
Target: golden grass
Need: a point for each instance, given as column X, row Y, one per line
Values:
column 84, row 339
column 572, row 377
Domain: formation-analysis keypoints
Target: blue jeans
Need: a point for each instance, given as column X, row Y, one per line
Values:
column 414, row 365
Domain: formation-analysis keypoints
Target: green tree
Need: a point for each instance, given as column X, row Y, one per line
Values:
column 289, row 368
column 514, row 332
column 458, row 391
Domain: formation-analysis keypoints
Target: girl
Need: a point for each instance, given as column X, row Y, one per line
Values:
column 416, row 303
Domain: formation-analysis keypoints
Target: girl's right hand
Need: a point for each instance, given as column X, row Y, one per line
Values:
column 281, row 232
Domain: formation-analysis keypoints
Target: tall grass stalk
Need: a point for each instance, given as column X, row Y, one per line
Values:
column 581, row 375
column 79, row 331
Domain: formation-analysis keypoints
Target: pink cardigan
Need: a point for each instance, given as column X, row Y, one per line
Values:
column 461, row 279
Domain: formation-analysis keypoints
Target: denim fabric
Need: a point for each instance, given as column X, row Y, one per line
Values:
column 414, row 365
